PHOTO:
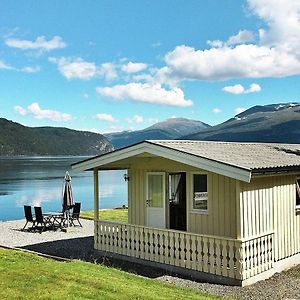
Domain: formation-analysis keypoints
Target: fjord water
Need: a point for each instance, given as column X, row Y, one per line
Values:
column 38, row 181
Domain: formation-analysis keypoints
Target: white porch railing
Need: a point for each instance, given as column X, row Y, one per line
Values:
column 257, row 253
column 215, row 255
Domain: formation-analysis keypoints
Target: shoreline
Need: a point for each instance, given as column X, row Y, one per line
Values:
column 83, row 211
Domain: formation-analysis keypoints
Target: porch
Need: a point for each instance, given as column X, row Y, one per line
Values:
column 233, row 259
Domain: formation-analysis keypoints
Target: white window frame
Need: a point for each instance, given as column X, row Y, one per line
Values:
column 197, row 210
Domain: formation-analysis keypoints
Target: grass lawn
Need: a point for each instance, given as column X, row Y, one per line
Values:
column 28, row 276
column 117, row 215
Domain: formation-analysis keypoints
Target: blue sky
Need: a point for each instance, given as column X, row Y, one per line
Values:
column 109, row 66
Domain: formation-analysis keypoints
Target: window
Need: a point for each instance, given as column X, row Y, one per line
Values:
column 200, row 195
column 174, row 188
column 298, row 192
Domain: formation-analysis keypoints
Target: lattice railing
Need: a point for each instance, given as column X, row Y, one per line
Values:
column 257, row 254
column 238, row 259
column 215, row 255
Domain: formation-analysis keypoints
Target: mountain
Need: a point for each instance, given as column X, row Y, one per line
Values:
column 170, row 129
column 278, row 123
column 16, row 139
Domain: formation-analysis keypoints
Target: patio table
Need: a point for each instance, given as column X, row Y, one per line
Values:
column 56, row 218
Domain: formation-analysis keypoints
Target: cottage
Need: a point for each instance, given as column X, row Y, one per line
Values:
column 223, row 212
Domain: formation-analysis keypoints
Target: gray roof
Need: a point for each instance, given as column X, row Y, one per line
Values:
column 250, row 156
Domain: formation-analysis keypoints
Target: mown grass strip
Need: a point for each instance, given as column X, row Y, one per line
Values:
column 28, row 276
column 116, row 215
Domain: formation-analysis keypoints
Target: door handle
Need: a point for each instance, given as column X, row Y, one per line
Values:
column 148, row 202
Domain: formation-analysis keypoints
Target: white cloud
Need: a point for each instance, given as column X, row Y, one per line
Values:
column 282, row 18
column 40, row 113
column 108, row 71
column 276, row 54
column 20, row 110
column 215, row 43
column 216, row 110
column 39, row 44
column 243, row 61
column 165, row 76
column 143, row 77
column 234, row 89
column 239, row 110
column 254, row 88
column 53, row 115
column 239, row 89
column 75, row 68
column 136, row 119
column 28, row 69
column 133, row 67
column 158, row 76
column 243, row 36
column 106, row 117
column 31, row 69
column 144, row 92
column 5, row 66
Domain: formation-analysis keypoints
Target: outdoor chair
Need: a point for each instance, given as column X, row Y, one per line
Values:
column 40, row 219
column 28, row 217
column 75, row 214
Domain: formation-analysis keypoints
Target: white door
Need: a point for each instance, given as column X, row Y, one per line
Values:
column 155, row 200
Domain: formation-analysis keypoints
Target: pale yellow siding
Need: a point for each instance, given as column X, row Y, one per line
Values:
column 257, row 206
column 136, row 197
column 221, row 218
column 137, row 184
column 286, row 219
column 267, row 204
column 236, row 209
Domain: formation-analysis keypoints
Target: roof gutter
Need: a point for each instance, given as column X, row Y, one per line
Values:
column 276, row 171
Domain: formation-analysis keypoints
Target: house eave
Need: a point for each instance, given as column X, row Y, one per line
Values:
column 165, row 152
column 287, row 170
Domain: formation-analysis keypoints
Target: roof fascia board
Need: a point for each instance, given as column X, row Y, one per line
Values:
column 168, row 153
column 109, row 157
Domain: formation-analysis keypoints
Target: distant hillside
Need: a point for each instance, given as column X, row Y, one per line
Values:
column 278, row 123
column 16, row 139
column 170, row 129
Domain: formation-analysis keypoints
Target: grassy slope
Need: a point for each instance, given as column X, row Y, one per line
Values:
column 29, row 276
column 117, row 215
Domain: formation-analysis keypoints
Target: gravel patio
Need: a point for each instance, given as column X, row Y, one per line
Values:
column 78, row 244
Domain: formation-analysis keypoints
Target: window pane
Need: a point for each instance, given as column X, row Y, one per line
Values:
column 298, row 192
column 155, row 186
column 200, row 195
column 174, row 185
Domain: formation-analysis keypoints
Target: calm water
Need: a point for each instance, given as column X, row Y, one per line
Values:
column 38, row 181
